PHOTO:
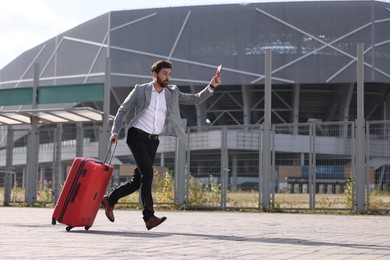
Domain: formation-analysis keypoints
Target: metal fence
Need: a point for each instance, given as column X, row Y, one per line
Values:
column 313, row 166
column 225, row 162
column 378, row 160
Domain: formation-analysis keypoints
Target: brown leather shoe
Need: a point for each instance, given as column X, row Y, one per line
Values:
column 109, row 209
column 154, row 222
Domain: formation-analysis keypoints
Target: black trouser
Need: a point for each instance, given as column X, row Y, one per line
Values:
column 143, row 148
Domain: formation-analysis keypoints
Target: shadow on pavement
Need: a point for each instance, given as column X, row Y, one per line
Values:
column 270, row 240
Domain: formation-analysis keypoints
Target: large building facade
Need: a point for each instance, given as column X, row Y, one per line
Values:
column 313, row 57
column 313, row 74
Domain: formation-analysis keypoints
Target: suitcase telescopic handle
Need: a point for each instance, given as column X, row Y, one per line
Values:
column 110, row 153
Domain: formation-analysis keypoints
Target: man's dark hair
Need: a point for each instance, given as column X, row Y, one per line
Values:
column 158, row 65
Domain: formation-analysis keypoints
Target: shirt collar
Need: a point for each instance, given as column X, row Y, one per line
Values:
column 155, row 91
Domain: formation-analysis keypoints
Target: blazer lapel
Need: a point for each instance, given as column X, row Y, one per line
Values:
column 148, row 93
column 168, row 97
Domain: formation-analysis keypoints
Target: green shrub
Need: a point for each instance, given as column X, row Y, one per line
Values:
column 375, row 202
column 163, row 191
column 348, row 192
column 201, row 195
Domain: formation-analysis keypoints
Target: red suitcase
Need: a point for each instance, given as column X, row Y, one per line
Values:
column 82, row 193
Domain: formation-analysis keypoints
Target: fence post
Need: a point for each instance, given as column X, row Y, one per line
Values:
column 266, row 136
column 180, row 164
column 360, row 132
column 224, row 168
column 187, row 172
column 312, row 167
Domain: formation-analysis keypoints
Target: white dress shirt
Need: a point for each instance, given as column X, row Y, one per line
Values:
column 153, row 120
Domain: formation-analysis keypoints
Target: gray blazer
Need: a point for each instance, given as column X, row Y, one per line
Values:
column 139, row 98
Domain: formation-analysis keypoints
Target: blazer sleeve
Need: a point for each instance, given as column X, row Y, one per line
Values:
column 123, row 110
column 195, row 99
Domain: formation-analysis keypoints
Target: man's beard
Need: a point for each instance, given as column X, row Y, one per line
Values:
column 162, row 84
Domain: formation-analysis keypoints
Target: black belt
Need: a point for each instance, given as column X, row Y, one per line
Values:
column 145, row 134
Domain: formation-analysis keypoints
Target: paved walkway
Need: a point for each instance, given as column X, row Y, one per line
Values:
column 27, row 233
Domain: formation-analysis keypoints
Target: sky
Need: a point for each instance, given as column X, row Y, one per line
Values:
column 25, row 24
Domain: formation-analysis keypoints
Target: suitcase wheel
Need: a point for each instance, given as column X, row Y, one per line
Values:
column 68, row 228
column 87, row 227
column 53, row 221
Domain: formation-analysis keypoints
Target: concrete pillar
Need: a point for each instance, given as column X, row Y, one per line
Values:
column 162, row 159
column 234, row 171
column 116, row 176
column 41, row 178
column 345, row 98
column 24, row 177
column 201, row 109
column 246, row 101
column 304, row 188
column 321, row 189
column 295, row 112
column 79, row 140
column 329, row 189
column 8, row 166
column 105, row 134
column 57, row 174
column 33, row 146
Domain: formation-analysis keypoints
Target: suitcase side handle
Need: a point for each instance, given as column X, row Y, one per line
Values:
column 109, row 154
